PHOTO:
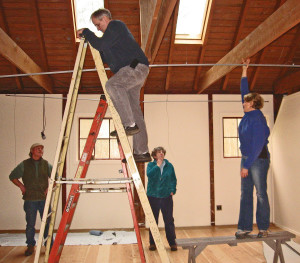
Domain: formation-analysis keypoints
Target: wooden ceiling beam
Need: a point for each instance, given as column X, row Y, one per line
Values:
column 12, row 52
column 155, row 17
column 172, row 46
column 148, row 16
column 237, row 37
column 286, row 17
column 287, row 83
column 4, row 26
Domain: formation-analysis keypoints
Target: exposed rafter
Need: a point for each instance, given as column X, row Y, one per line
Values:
column 237, row 36
column 286, row 17
column 12, row 52
column 203, row 47
column 288, row 82
column 172, row 46
column 262, row 54
column 37, row 19
column 155, row 17
column 288, row 59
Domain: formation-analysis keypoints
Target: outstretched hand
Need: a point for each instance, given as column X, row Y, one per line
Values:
column 246, row 62
column 245, row 67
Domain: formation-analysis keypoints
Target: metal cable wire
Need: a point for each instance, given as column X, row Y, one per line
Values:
column 154, row 66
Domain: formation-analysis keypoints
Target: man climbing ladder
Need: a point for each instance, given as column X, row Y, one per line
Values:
column 130, row 66
column 63, row 144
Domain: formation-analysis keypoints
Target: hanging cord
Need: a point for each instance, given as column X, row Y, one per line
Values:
column 15, row 136
column 44, row 119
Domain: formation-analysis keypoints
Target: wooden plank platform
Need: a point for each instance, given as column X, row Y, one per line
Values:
column 197, row 245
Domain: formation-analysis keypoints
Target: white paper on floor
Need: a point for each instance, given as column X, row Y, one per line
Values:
column 289, row 255
column 107, row 238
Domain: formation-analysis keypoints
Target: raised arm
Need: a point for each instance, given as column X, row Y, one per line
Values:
column 244, row 80
column 245, row 67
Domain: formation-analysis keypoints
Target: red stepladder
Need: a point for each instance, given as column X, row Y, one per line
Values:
column 76, row 188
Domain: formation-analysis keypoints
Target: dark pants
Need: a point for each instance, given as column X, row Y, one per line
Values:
column 166, row 207
column 31, row 208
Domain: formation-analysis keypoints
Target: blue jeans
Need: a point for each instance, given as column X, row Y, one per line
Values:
column 166, row 207
column 31, row 208
column 257, row 176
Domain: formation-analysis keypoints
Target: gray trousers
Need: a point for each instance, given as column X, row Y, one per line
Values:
column 124, row 90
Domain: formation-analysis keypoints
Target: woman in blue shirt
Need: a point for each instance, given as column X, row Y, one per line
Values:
column 253, row 135
column 160, row 190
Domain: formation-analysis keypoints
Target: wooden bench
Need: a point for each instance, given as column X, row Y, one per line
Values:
column 197, row 245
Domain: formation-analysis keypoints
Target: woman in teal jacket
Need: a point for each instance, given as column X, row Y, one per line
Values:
column 160, row 190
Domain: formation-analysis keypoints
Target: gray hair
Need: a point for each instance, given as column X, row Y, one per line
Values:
column 100, row 13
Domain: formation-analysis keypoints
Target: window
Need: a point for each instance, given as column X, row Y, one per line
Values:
column 231, row 143
column 192, row 21
column 82, row 12
column 106, row 147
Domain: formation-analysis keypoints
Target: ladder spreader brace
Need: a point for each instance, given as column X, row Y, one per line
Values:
column 59, row 161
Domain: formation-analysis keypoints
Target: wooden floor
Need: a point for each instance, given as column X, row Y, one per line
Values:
column 245, row 252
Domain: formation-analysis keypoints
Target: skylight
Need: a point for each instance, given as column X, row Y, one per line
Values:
column 192, row 20
column 83, row 11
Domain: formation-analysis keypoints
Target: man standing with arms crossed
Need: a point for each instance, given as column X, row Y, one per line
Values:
column 130, row 66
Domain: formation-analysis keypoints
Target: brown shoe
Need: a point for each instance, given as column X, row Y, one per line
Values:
column 174, row 248
column 29, row 251
column 152, row 247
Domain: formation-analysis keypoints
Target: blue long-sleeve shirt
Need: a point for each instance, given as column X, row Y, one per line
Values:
column 117, row 46
column 161, row 183
column 253, row 131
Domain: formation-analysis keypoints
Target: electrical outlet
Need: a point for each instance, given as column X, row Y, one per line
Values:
column 219, row 207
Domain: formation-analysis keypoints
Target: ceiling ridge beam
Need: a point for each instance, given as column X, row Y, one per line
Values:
column 12, row 52
column 286, row 17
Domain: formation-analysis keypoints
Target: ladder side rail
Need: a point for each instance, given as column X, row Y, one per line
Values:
column 65, row 144
column 130, row 161
column 76, row 74
column 131, row 203
column 74, row 193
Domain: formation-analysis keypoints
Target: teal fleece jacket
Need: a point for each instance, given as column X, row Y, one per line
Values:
column 161, row 185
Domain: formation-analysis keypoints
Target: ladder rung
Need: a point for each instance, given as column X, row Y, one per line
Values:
column 104, row 190
column 96, row 181
column 49, row 214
